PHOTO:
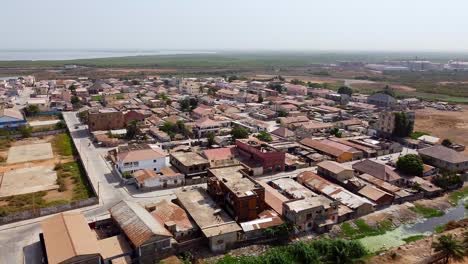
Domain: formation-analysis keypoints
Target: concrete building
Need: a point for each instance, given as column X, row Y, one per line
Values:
column 140, row 157
column 381, row 100
column 378, row 170
column 241, row 196
column 191, row 164
column 385, row 124
column 204, row 126
column 105, row 119
column 148, row 179
column 444, row 158
column 222, row 157
column 221, row 231
column 259, row 157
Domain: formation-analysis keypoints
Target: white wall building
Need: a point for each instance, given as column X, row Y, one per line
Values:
column 148, row 158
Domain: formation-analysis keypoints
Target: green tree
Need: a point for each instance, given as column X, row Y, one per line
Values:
column 449, row 247
column 211, row 138
column 25, row 131
column 260, row 99
column 75, row 100
column 238, row 132
column 388, row 91
column 446, row 143
column 132, row 129
column 403, row 125
column 410, row 164
column 297, row 81
column 264, row 136
column 31, row 110
column 60, row 125
column 282, row 113
column 168, row 101
column 345, row 90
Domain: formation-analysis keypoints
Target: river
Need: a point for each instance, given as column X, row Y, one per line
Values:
column 425, row 227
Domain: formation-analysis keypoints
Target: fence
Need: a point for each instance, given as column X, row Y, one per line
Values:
column 38, row 134
column 19, row 216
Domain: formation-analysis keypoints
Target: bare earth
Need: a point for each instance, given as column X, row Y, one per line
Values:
column 444, row 124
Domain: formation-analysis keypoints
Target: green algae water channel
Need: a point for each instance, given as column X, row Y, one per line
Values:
column 425, row 227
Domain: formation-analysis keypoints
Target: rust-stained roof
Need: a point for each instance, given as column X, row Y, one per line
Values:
column 166, row 211
column 67, row 235
column 137, row 223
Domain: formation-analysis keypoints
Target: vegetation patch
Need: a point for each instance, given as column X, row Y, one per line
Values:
column 317, row 251
column 440, row 228
column 413, row 238
column 73, row 170
column 96, row 98
column 427, row 212
column 417, row 134
column 63, row 144
column 25, row 202
column 456, row 196
column 362, row 229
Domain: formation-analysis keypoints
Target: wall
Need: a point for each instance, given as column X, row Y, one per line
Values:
column 146, row 164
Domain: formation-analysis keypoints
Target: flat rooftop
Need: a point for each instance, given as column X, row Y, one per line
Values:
column 308, row 203
column 211, row 219
column 235, row 180
column 189, row 158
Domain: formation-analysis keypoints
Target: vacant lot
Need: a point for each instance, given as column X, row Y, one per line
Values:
column 41, row 183
column 444, row 124
column 31, row 152
column 28, row 180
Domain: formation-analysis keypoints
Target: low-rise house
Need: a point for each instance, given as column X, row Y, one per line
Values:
column 273, row 198
column 11, row 118
column 139, row 157
column 174, row 219
column 160, row 135
column 379, row 197
column 284, row 133
column 378, row 170
column 255, row 229
column 203, row 111
column 148, row 179
column 221, row 231
column 147, row 236
column 360, row 205
column 191, row 164
column 381, row 100
column 222, row 157
column 204, row 126
column 339, row 152
column 444, row 158
column 335, row 171
column 400, row 195
column 240, row 195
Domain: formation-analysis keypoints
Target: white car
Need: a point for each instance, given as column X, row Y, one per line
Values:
column 385, row 158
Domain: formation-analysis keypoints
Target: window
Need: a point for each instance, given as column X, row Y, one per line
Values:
column 154, row 161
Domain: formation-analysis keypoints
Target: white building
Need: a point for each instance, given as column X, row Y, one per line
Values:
column 143, row 158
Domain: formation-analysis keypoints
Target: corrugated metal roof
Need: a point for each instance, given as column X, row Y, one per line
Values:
column 137, row 223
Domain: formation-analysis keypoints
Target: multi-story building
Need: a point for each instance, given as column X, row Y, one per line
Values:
column 191, row 164
column 242, row 197
column 140, row 157
column 385, row 125
column 204, row 126
column 259, row 157
column 105, row 119
column 190, row 86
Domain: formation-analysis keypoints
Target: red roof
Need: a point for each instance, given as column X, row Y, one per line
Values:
column 220, row 153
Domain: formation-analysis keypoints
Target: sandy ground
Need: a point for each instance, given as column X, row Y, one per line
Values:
column 379, row 85
column 25, row 153
column 444, row 124
column 28, row 180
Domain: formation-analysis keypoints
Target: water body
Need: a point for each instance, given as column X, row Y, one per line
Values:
column 425, row 227
column 34, row 55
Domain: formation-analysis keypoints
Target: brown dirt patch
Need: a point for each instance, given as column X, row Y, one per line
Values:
column 65, row 195
column 137, row 70
column 4, row 203
column 444, row 124
column 380, row 85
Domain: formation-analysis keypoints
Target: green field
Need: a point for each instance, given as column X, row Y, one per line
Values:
column 426, row 212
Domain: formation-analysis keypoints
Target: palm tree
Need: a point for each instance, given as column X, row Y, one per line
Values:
column 449, row 247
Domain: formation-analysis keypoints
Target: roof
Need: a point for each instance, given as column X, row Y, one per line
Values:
column 283, row 132
column 372, row 193
column 114, row 246
column 309, row 203
column 333, row 166
column 166, row 212
column 137, row 223
column 380, row 183
column 429, row 139
column 334, row 191
column 141, row 154
column 443, row 153
column 205, row 121
column 11, row 113
column 220, row 153
column 235, row 181
column 67, row 235
column 381, row 97
column 376, row 169
column 212, row 220
column 189, row 158
column 273, row 198
column 266, row 219
column 323, row 146
column 293, row 189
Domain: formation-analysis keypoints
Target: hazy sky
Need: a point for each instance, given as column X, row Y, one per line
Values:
column 235, row 24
